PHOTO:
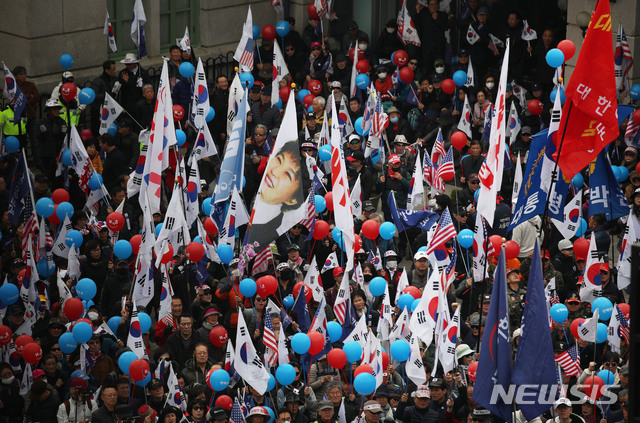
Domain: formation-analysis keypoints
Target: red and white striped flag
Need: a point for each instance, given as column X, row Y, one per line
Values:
column 379, row 118
column 444, row 232
column 28, row 233
column 428, row 170
column 270, row 342
column 570, row 361
column 438, row 150
column 445, row 171
column 244, row 51
column 261, row 262
column 632, row 130
column 623, row 60
column 342, row 300
column 310, row 217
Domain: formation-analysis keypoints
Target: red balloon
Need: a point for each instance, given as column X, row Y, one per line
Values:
column 21, row 276
column 363, row 66
column 312, row 12
column 594, row 387
column 68, row 91
column 581, row 248
column 413, row 290
column 320, row 230
column 337, row 358
column 535, row 107
column 496, row 241
column 54, row 217
column 385, row 360
column 400, row 58
column 21, row 342
column 115, row 221
column 284, row 94
column 139, row 369
column 60, row 195
column 317, row 342
column 194, row 251
column 266, row 285
column 308, row 100
column 135, row 242
column 575, row 324
column 5, row 335
column 448, row 86
column 471, row 371
column 166, row 258
column 357, row 243
column 73, row 308
column 32, row 353
column 511, row 249
column 89, row 322
column 370, row 229
column 448, row 175
column 636, row 117
column 218, row 336
column 225, row 401
column 268, row 32
column 307, row 291
column 314, row 86
column 459, row 140
column 210, row 227
column 568, row 48
column 352, row 52
column 363, row 368
column 178, row 112
column 406, row 75
column 637, row 169
column 328, row 198
column 624, row 308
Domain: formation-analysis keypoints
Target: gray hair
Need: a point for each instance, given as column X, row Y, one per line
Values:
column 261, row 126
column 321, row 100
column 145, row 86
column 379, row 215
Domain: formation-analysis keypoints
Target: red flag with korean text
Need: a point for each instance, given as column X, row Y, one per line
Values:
column 589, row 118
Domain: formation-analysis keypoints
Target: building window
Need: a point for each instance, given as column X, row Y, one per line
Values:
column 121, row 12
column 175, row 16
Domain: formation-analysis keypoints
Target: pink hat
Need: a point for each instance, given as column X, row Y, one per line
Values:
column 394, row 158
column 38, row 373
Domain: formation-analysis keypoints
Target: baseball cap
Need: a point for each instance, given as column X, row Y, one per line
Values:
column 562, row 402
column 422, row 392
column 463, row 53
column 325, row 405
column 631, row 149
column 436, row 383
column 67, row 74
column 353, row 25
column 258, row 411
column 79, row 374
column 338, row 271
column 382, row 391
column 293, row 247
column 526, row 130
column 336, row 84
column 372, row 407
column 486, row 298
column 316, row 44
column 483, row 10
column 282, row 266
column 355, row 137
column 52, row 102
column 463, row 350
column 473, row 177
column 420, row 255
column 475, row 320
column 438, row 62
column 308, row 145
column 390, row 253
column 357, row 156
column 605, row 266
column 79, row 383
column 574, row 298
column 56, row 322
column 154, row 383
column 266, row 90
column 17, row 262
column 37, row 373
column 565, row 244
column 217, row 413
column 536, row 87
column 146, row 411
column 234, row 262
column 368, row 206
column 481, row 412
column 394, row 158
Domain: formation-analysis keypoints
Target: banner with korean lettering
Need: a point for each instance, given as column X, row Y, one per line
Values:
column 589, row 119
column 605, row 194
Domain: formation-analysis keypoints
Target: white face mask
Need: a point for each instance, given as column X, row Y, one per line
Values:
column 92, row 315
column 439, row 69
column 392, row 264
column 9, row 380
column 382, row 75
column 490, row 85
column 363, row 47
column 236, row 273
column 391, row 30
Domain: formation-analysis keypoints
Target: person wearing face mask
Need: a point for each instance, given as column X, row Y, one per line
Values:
column 490, row 87
column 440, row 68
column 353, row 37
column 384, row 82
column 11, row 402
column 398, row 128
column 395, row 178
column 94, row 264
column 388, row 41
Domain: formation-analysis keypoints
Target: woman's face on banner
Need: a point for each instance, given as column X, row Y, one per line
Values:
column 282, row 180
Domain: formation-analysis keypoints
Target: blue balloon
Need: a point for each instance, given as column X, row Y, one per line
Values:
column 353, row 350
column 405, row 301
column 362, row 81
column 219, row 380
column 66, row 61
column 278, row 103
column 158, row 228
column 247, row 79
column 604, row 307
column 145, row 322
column 321, row 203
column 286, row 374
column 310, row 109
column 186, row 69
column 552, row 95
column 559, row 312
column 364, row 383
column 634, row 92
column 206, row 206
column 465, row 238
column 248, row 287
column 387, row 230
column 125, row 360
column 337, row 236
column 283, row 28
column 112, row 130
column 12, row 144
column 272, row 382
column 377, row 286
column 324, row 153
column 122, row 249
column 256, row 32
column 67, row 343
column 9, row 293
column 358, row 127
column 335, row 331
column 601, row 335
column 66, row 157
column 460, row 78
column 211, row 114
column 225, row 252
column 113, row 323
column 45, row 207
column 272, row 414
column 142, row 383
column 45, row 269
column 86, row 96
column 624, row 174
column 300, row 343
column 607, row 377
column 302, row 94
column 95, row 182
column 578, row 180
column 423, row 248
column 86, row 289
column 181, row 137
column 65, row 209
column 87, row 304
column 73, row 237
column 582, row 228
column 414, row 304
column 400, row 350
column 288, row 301
column 82, row 332
column 555, row 57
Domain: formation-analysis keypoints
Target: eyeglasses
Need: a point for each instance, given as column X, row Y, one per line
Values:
column 464, row 215
column 604, row 272
column 207, row 292
column 198, row 408
column 315, row 48
column 54, row 349
column 474, row 182
column 260, row 135
column 413, row 63
column 261, row 300
column 635, row 179
column 611, row 364
column 355, row 142
column 289, row 49
column 311, row 150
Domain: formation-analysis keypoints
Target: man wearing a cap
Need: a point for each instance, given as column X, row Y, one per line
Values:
column 397, row 179
column 325, row 412
column 353, row 36
column 565, row 263
column 418, row 276
column 358, row 162
column 79, row 406
column 372, row 411
column 311, row 127
column 217, row 415
column 420, row 411
column 263, row 112
column 609, row 288
column 481, row 414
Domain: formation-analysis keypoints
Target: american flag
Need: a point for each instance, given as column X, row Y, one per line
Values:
column 444, row 232
column 631, row 132
column 342, row 301
column 30, row 228
column 624, row 325
column 246, row 58
column 570, row 361
column 310, row 218
column 379, row 119
column 428, row 169
column 322, row 8
column 237, row 416
column 447, row 277
column 623, row 61
column 438, row 149
column 368, row 110
column 269, row 340
column 444, row 169
column 261, row 262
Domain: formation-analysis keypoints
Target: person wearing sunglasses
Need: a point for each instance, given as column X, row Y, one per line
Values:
column 631, row 190
column 465, row 198
column 197, row 410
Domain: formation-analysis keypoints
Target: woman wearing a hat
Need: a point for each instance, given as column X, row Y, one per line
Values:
column 258, row 415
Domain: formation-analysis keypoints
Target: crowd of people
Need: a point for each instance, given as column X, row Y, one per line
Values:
column 89, row 385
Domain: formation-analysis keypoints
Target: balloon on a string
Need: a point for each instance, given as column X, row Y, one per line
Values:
column 575, row 325
column 387, row 230
column 399, row 58
column 370, row 229
column 362, row 81
column 112, row 129
column 256, row 32
column 68, row 91
column 406, row 75
column 211, row 114
column 535, row 107
column 66, row 157
column 314, row 86
column 634, row 92
column 225, row 402
column 511, row 249
column 194, row 251
column 472, row 371
column 206, row 206
column 82, row 332
column 45, row 207
column 115, row 221
column 400, row 349
column 582, row 227
column 377, row 286
column 568, row 49
column 139, row 369
column 337, row 358
column 73, row 308
column 577, row 180
column 268, row 32
column 554, row 92
column 285, row 374
column 45, row 269
column 363, row 66
column 328, row 198
column 122, row 249
column 307, row 101
column 334, row 329
column 465, row 238
column 266, row 285
column 86, row 289
column 460, row 78
column 324, row 153
column 225, row 252
column 95, row 182
column 320, row 203
column 248, row 287
column 125, row 360
column 459, row 140
column 559, row 312
column 66, row 61
column 9, row 294
column 283, row 28
column 278, row 103
column 496, row 241
column 186, row 69
column 336, row 234
column 300, row 343
column 218, row 336
column 317, row 342
column 353, row 351
column 321, row 230
column 555, row 57
column 12, row 144
column 60, row 195
column 145, row 322
column 405, row 301
column 604, row 307
column 219, row 380
column 448, row 86
column 67, row 343
column 64, row 209
column 181, row 137
column 178, row 112
column 607, row 377
column 302, row 94
column 32, row 353
column 593, row 386
column 359, row 129
column 308, row 294
column 86, row 96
